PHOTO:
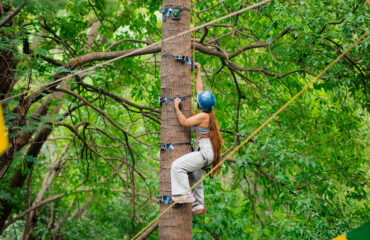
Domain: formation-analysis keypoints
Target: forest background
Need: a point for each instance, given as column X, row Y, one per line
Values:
column 84, row 158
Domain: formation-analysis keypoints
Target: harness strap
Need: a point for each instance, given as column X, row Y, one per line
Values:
column 200, row 136
column 206, row 167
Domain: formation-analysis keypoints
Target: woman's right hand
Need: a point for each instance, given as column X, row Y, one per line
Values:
column 198, row 67
column 177, row 102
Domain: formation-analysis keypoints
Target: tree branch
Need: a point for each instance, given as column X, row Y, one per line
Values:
column 101, row 112
column 40, row 204
column 11, row 15
column 126, row 40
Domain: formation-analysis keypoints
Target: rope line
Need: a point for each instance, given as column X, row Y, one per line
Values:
column 259, row 128
column 194, row 81
column 137, row 50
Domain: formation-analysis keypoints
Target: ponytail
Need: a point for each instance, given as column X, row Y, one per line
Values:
column 216, row 140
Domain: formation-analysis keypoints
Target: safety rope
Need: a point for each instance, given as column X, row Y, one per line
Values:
column 194, row 66
column 258, row 129
column 48, row 85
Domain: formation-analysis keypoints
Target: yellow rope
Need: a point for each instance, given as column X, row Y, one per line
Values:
column 258, row 129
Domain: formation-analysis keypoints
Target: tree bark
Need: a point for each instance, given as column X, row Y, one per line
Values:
column 7, row 66
column 175, row 80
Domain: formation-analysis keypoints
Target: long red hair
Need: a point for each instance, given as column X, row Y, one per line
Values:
column 216, row 140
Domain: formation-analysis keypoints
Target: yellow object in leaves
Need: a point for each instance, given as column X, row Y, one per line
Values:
column 4, row 143
column 341, row 237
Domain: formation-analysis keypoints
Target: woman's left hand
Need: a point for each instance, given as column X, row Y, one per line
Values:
column 177, row 102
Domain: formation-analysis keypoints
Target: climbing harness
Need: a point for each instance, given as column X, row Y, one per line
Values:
column 200, row 136
column 175, row 12
column 307, row 86
column 166, row 100
column 167, row 200
column 171, row 146
column 206, row 168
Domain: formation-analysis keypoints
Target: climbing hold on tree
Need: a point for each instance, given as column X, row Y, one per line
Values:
column 167, row 200
column 166, row 100
column 164, row 198
column 176, row 12
column 180, row 58
column 162, row 99
column 170, row 146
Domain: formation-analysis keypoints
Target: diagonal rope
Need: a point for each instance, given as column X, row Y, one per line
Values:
column 259, row 128
column 137, row 50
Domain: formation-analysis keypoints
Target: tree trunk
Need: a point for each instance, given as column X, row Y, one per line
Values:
column 7, row 66
column 175, row 80
column 8, row 62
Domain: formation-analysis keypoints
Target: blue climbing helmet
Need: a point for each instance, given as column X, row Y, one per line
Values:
column 206, row 101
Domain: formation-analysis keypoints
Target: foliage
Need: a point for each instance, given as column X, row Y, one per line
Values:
column 305, row 176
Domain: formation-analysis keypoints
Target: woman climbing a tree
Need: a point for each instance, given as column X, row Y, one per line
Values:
column 208, row 145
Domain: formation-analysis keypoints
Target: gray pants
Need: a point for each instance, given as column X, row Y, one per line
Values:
column 192, row 162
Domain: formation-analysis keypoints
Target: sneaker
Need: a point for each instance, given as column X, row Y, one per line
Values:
column 188, row 198
column 198, row 209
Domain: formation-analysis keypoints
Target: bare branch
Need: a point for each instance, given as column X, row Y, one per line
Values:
column 126, row 40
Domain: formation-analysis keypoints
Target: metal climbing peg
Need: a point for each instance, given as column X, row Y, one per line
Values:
column 189, row 61
column 171, row 146
column 169, row 10
column 164, row 198
column 162, row 99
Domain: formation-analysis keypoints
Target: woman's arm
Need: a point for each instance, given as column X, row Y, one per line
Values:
column 188, row 122
column 199, row 86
